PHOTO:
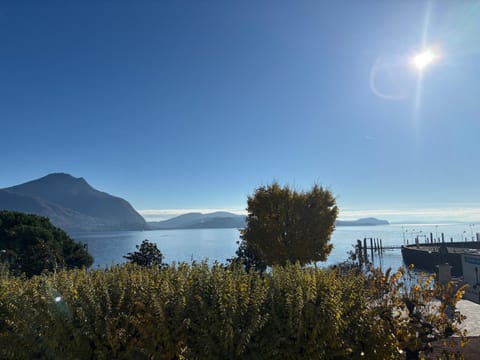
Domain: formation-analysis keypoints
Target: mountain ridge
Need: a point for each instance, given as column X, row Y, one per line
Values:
column 368, row 221
column 71, row 204
column 196, row 220
column 74, row 205
column 222, row 219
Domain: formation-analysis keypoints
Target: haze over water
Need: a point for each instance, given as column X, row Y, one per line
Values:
column 220, row 244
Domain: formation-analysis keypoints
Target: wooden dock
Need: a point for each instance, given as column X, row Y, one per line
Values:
column 374, row 246
column 388, row 247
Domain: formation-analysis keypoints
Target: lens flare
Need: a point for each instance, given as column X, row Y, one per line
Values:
column 423, row 59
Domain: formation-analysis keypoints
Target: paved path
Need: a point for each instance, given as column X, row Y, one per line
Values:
column 472, row 311
column 471, row 351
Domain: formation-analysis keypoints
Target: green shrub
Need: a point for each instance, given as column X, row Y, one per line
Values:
column 30, row 245
column 201, row 312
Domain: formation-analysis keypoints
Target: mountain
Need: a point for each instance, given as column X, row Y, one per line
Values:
column 228, row 220
column 72, row 204
column 216, row 220
column 370, row 221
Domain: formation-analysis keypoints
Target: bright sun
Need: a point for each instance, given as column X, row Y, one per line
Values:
column 424, row 59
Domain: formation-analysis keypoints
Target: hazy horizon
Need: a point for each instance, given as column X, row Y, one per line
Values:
column 394, row 216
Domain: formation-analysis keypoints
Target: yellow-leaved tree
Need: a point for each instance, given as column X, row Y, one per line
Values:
column 284, row 225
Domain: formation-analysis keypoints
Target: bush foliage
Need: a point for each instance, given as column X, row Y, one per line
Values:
column 30, row 245
column 211, row 312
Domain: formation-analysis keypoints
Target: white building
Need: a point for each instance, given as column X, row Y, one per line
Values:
column 471, row 274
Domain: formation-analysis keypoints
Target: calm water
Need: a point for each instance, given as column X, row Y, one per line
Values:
column 220, row 244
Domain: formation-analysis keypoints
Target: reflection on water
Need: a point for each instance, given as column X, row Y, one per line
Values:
column 220, row 244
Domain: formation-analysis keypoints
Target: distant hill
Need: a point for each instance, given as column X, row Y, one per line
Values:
column 72, row 204
column 227, row 220
column 216, row 220
column 362, row 222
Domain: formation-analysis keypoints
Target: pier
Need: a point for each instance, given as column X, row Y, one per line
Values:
column 426, row 252
column 371, row 245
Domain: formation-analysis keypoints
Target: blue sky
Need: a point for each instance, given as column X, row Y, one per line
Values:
column 192, row 105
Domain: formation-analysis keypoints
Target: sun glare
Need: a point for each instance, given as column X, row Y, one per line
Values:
column 423, row 59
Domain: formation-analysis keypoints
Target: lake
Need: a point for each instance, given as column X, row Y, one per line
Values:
column 220, row 244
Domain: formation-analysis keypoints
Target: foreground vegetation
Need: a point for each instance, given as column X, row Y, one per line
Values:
column 203, row 312
column 30, row 245
column 260, row 306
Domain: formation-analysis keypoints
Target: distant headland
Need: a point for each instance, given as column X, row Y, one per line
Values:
column 222, row 219
column 369, row 221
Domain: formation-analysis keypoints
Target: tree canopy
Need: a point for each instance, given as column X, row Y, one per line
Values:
column 284, row 225
column 148, row 254
column 30, row 244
